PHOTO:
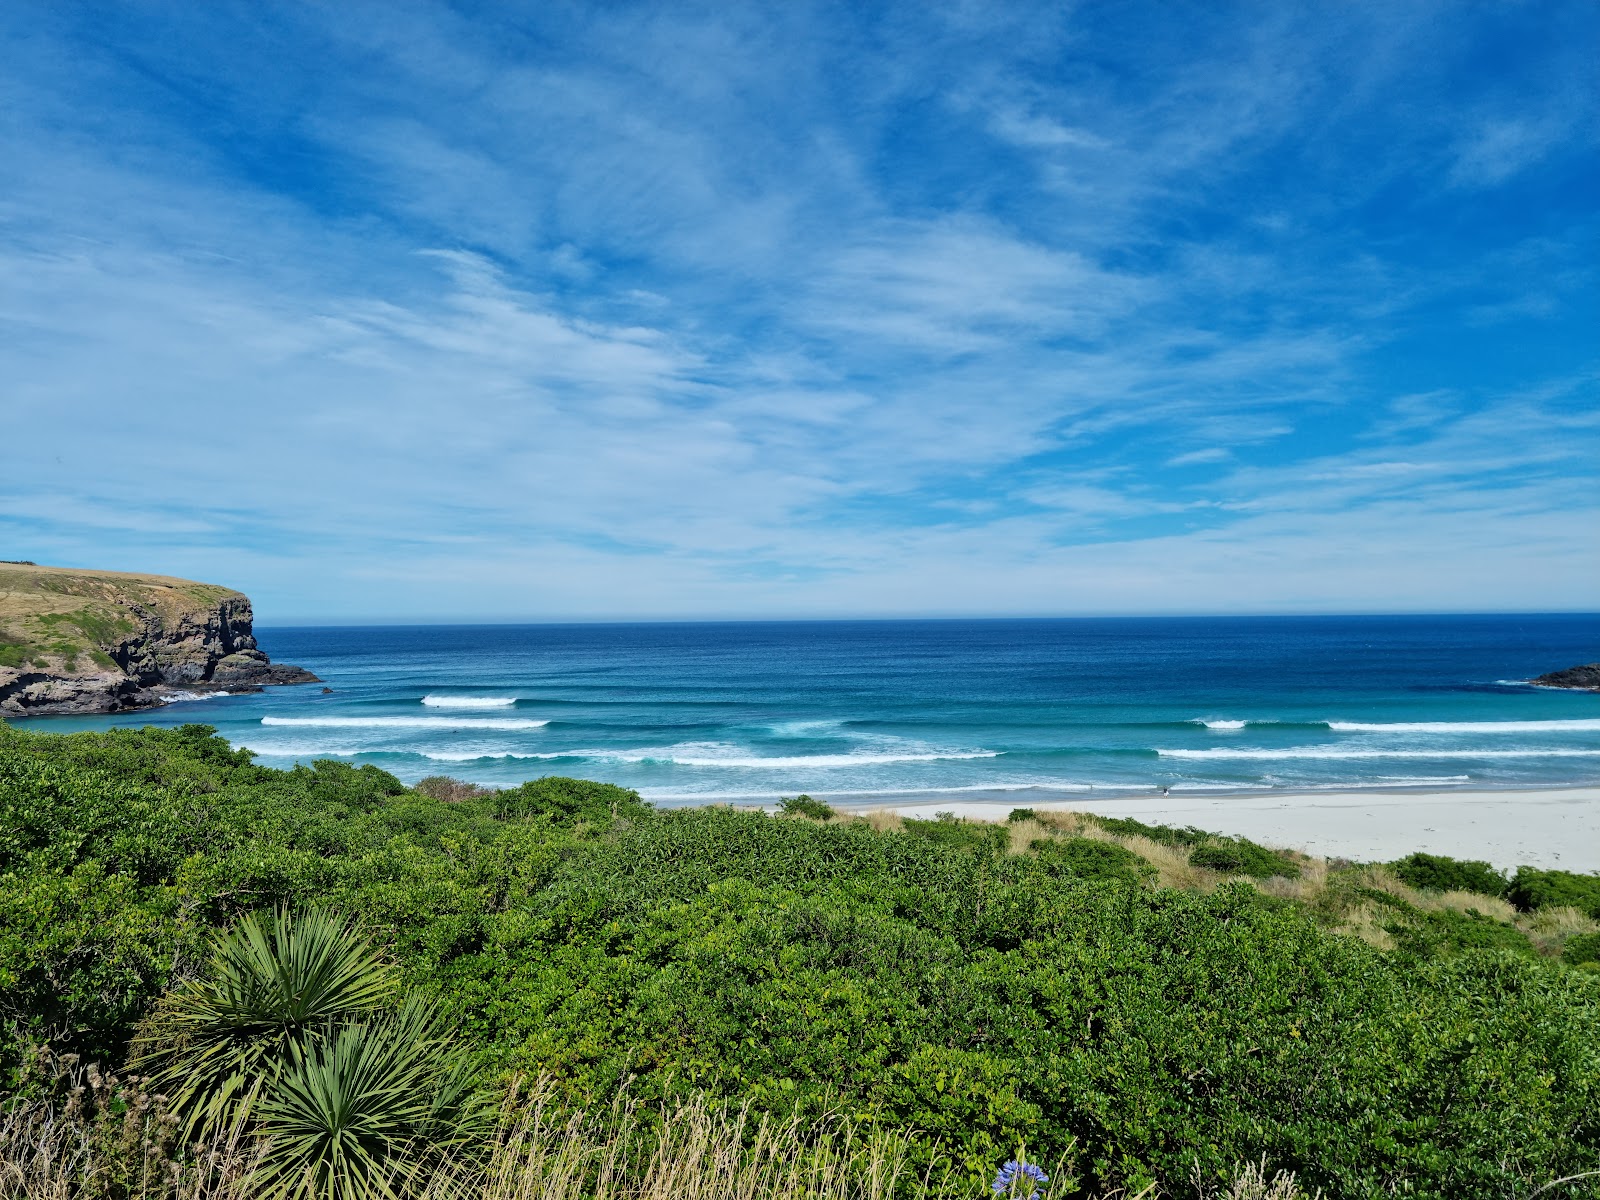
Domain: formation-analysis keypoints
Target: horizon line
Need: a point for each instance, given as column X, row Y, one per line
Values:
column 459, row 623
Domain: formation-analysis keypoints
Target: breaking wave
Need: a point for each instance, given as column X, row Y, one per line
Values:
column 440, row 723
column 709, row 756
column 1333, row 752
column 469, row 701
column 1464, row 726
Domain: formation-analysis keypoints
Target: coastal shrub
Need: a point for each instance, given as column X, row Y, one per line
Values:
column 1240, row 856
column 1021, row 814
column 451, row 791
column 1439, row 873
column 566, row 801
column 805, row 806
column 925, row 980
column 946, row 830
column 1581, row 948
column 1446, row 933
column 1531, row 890
column 1091, row 858
column 1166, row 835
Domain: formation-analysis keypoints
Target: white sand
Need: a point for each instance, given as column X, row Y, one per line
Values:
column 1556, row 827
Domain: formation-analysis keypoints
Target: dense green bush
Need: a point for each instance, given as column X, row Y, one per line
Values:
column 1582, row 948
column 1439, row 873
column 1091, row 858
column 929, row 978
column 1166, row 835
column 1240, row 856
column 1531, row 890
column 805, row 806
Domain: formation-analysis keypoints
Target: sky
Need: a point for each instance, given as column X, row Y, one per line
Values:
column 388, row 312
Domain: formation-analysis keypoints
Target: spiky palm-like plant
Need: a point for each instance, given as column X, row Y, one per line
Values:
column 360, row 1112
column 293, row 1038
column 276, row 981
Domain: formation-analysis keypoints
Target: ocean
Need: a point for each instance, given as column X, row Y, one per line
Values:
column 1002, row 710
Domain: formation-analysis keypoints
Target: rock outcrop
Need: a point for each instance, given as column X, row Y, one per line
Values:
column 1586, row 677
column 102, row 641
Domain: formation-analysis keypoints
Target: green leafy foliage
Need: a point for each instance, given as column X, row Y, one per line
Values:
column 1439, row 873
column 805, row 806
column 1531, row 890
column 1091, row 858
column 930, row 979
column 1240, row 856
column 1166, row 835
column 1582, row 948
column 567, row 801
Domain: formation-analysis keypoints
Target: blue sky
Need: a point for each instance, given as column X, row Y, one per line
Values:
column 401, row 311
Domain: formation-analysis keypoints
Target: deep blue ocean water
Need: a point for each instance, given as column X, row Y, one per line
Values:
column 1001, row 708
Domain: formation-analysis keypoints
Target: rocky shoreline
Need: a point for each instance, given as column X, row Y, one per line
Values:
column 99, row 642
column 1584, row 678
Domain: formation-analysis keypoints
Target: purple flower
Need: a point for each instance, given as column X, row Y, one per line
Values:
column 1013, row 1173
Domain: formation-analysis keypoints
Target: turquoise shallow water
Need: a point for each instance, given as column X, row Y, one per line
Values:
column 691, row 712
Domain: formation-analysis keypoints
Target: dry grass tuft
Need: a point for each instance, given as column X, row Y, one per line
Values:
column 883, row 820
column 1549, row 928
column 1366, row 921
column 1253, row 1183
column 450, row 790
column 697, row 1151
column 83, row 1149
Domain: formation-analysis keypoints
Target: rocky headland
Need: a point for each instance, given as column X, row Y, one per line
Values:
column 76, row 641
column 1586, row 677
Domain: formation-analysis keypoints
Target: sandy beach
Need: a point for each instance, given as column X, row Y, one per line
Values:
column 1555, row 827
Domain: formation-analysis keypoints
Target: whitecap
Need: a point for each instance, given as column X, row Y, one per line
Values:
column 1228, row 726
column 469, row 701
column 441, row 723
column 1566, row 726
column 1342, row 752
column 703, row 754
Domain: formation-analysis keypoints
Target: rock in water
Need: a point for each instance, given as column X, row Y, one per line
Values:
column 1586, row 676
column 100, row 641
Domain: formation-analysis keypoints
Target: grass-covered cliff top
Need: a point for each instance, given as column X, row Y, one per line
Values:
column 62, row 619
column 1133, row 1004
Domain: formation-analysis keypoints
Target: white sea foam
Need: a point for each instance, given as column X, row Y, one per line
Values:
column 300, row 752
column 469, row 701
column 1571, row 726
column 1348, row 753
column 178, row 697
column 441, row 723
column 797, row 729
column 1223, row 725
column 715, row 755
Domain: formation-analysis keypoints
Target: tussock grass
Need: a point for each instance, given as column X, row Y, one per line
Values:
column 85, row 1149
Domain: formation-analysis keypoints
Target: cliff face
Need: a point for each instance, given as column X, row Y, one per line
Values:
column 99, row 641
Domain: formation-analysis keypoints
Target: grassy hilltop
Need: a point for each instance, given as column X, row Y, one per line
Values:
column 66, row 621
column 663, row 1004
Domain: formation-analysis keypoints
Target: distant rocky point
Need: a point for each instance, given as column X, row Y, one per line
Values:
column 1586, row 676
column 76, row 641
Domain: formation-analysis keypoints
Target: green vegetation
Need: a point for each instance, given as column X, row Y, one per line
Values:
column 1438, row 873
column 805, row 806
column 1240, row 856
column 55, row 619
column 1532, row 890
column 946, row 991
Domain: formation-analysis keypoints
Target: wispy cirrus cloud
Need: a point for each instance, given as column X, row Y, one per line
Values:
column 636, row 312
